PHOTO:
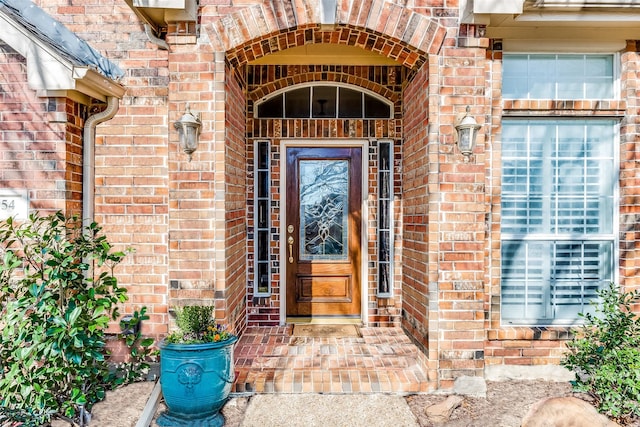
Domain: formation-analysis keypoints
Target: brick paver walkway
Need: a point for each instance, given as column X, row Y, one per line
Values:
column 271, row 360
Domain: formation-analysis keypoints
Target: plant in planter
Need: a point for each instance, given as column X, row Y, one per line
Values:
column 196, row 369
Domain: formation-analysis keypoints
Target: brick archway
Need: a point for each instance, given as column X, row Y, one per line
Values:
column 388, row 29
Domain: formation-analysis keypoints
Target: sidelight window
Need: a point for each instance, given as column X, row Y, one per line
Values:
column 262, row 282
column 385, row 219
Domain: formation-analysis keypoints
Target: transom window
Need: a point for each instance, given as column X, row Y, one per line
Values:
column 562, row 76
column 558, row 203
column 324, row 102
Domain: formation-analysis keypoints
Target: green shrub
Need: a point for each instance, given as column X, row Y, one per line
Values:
column 54, row 311
column 197, row 325
column 605, row 355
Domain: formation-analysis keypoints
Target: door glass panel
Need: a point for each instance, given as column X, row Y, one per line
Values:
column 324, row 202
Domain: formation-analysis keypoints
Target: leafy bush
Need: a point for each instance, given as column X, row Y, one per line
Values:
column 605, row 355
column 54, row 311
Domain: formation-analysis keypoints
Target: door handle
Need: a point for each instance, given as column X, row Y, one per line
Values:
column 290, row 241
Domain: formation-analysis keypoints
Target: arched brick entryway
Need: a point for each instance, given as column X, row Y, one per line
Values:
column 382, row 27
column 441, row 80
column 404, row 36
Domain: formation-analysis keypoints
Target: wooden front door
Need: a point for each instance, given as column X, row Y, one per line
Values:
column 323, row 231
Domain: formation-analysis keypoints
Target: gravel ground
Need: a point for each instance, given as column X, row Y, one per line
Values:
column 505, row 405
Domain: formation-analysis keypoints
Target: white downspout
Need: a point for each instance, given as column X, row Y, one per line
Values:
column 155, row 40
column 88, row 158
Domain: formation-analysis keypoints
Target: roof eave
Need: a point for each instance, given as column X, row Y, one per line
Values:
column 49, row 72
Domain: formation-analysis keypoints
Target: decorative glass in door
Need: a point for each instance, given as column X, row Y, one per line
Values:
column 324, row 202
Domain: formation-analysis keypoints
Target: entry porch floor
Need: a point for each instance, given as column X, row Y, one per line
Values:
column 382, row 360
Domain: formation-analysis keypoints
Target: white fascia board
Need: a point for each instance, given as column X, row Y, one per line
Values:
column 160, row 4
column 92, row 83
column 467, row 16
column 14, row 35
column 577, row 16
column 498, row 6
column 585, row 3
column 546, row 37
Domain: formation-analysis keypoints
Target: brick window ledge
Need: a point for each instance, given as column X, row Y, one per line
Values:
column 547, row 107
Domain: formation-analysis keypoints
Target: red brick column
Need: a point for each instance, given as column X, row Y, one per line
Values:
column 207, row 195
column 629, row 169
column 457, row 208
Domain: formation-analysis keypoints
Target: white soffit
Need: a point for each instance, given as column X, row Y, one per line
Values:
column 498, row 6
column 562, row 46
column 158, row 13
column 551, row 12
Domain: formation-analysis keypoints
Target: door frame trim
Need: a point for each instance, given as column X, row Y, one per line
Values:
column 363, row 144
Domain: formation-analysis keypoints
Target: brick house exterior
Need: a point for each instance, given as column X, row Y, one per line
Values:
column 194, row 224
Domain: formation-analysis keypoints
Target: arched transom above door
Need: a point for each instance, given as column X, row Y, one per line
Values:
column 323, row 101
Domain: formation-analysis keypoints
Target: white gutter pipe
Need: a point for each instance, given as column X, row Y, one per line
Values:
column 88, row 158
column 153, row 39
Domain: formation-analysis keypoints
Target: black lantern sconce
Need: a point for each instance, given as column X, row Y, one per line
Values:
column 467, row 129
column 189, row 131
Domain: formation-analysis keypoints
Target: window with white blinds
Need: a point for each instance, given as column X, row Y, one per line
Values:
column 558, row 76
column 558, row 184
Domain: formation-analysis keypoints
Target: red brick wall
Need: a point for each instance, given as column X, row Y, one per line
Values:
column 72, row 162
column 415, row 210
column 131, row 155
column 41, row 141
column 235, row 203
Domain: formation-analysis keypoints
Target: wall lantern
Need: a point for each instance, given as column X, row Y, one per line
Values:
column 189, row 130
column 467, row 129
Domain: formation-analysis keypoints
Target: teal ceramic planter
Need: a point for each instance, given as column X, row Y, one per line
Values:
column 196, row 380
